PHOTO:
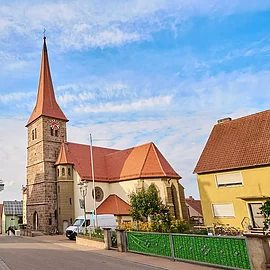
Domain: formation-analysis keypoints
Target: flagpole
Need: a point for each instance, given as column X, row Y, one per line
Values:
column 93, row 178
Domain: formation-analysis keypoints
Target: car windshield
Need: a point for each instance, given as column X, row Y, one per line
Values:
column 78, row 222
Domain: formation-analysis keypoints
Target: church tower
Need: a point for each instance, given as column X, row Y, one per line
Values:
column 46, row 131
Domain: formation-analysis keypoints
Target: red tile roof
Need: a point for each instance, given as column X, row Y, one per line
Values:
column 114, row 165
column 240, row 143
column 195, row 204
column 46, row 104
column 114, row 205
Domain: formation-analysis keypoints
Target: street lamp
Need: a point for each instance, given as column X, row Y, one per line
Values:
column 83, row 190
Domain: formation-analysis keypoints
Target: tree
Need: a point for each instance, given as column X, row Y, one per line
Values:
column 145, row 203
column 265, row 211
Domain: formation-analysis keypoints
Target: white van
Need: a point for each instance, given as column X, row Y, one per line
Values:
column 103, row 221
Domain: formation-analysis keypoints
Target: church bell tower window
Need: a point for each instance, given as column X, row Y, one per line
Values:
column 63, row 172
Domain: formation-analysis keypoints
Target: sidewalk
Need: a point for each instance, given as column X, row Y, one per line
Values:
column 157, row 262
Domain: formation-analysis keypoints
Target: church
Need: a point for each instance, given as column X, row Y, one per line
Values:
column 58, row 170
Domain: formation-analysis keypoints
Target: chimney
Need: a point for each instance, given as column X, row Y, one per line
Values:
column 190, row 197
column 223, row 120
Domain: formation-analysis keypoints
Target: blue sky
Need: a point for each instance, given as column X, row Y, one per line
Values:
column 132, row 72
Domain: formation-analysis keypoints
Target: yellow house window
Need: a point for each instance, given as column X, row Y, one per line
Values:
column 223, row 210
column 229, row 179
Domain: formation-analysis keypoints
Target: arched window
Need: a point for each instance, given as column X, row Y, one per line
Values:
column 33, row 135
column 69, row 172
column 175, row 202
column 56, row 133
column 35, row 221
column 63, row 172
column 58, row 172
column 52, row 131
column 70, row 202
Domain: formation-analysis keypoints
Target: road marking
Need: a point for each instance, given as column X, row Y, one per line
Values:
column 3, row 266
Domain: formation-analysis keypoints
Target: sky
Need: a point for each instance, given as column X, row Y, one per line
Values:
column 133, row 71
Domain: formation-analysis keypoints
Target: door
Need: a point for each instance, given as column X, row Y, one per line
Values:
column 256, row 218
column 65, row 225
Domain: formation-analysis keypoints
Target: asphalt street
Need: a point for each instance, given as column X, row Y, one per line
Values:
column 18, row 253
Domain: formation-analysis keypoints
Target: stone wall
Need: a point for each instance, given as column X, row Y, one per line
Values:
column 42, row 152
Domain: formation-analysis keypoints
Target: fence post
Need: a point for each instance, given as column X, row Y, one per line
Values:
column 107, row 238
column 259, row 251
column 172, row 246
column 121, row 240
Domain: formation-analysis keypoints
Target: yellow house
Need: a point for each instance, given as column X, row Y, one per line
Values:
column 233, row 171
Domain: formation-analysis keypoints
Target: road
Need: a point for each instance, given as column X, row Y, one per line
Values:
column 17, row 253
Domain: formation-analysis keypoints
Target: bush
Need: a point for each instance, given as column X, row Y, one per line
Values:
column 97, row 233
column 156, row 225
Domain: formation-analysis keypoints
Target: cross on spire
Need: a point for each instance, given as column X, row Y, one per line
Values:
column 44, row 31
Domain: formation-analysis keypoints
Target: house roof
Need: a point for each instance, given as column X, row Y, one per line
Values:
column 111, row 165
column 239, row 143
column 12, row 208
column 114, row 205
column 46, row 104
column 195, row 204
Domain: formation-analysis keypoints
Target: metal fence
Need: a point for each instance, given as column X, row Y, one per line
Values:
column 228, row 252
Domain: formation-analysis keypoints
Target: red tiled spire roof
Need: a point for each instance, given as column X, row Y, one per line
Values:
column 111, row 165
column 64, row 156
column 114, row 205
column 46, row 104
column 239, row 143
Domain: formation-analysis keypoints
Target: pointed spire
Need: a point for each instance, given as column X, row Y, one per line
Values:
column 46, row 104
column 64, row 156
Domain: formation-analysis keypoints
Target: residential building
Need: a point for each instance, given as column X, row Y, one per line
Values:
column 233, row 171
column 11, row 215
column 194, row 211
column 55, row 168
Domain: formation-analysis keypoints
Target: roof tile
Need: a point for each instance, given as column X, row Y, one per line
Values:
column 46, row 104
column 240, row 143
column 114, row 205
column 116, row 165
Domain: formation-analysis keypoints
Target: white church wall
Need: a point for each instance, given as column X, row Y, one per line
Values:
column 89, row 202
column 123, row 189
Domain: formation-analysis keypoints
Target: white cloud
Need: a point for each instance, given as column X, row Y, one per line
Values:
column 13, row 97
column 79, row 25
column 142, row 104
column 13, row 140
